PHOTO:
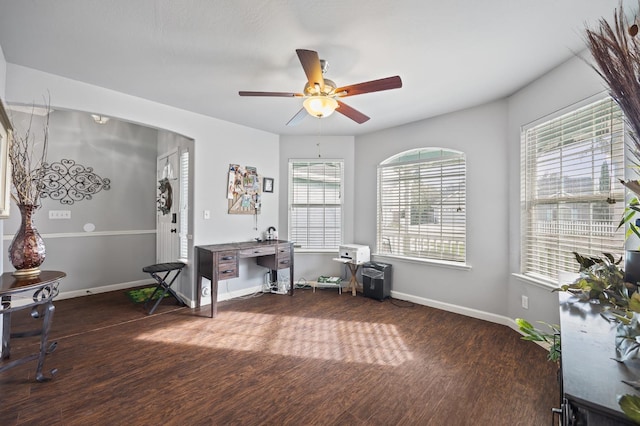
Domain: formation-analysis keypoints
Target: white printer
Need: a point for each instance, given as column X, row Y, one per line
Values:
column 354, row 253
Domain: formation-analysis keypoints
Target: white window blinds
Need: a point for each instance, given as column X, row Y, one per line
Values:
column 571, row 196
column 315, row 203
column 184, row 205
column 422, row 204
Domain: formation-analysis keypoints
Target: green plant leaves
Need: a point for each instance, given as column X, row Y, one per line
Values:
column 533, row 334
column 630, row 405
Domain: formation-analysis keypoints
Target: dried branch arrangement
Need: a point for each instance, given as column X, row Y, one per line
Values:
column 27, row 155
column 616, row 51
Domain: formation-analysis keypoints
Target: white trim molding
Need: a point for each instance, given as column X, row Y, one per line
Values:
column 456, row 309
column 90, row 234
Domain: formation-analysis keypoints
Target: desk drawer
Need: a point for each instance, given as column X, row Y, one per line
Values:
column 284, row 262
column 227, row 264
column 257, row 251
column 284, row 250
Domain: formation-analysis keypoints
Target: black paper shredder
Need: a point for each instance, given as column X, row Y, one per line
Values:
column 376, row 280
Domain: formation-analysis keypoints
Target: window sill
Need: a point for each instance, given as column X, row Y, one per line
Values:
column 547, row 285
column 434, row 262
column 316, row 251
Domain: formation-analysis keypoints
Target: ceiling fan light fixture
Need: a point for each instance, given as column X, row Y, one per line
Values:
column 320, row 106
column 99, row 119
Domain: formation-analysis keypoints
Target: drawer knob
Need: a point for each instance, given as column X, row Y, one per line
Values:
column 228, row 271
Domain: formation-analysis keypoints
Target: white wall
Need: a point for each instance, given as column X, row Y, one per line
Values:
column 217, row 144
column 481, row 133
column 566, row 85
column 311, row 265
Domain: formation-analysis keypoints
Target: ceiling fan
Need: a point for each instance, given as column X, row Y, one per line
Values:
column 322, row 95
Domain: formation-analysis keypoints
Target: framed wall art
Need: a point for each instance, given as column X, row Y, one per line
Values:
column 267, row 184
column 5, row 166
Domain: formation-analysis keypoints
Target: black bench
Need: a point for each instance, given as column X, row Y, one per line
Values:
column 163, row 286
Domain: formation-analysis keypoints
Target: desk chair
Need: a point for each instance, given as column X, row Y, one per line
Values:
column 163, row 286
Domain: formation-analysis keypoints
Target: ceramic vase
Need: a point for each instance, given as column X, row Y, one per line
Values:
column 27, row 251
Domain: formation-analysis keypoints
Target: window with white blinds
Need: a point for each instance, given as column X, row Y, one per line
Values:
column 184, row 205
column 315, row 204
column 571, row 196
column 422, row 205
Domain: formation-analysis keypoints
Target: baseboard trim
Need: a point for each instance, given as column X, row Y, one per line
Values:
column 231, row 295
column 103, row 289
column 449, row 307
column 457, row 309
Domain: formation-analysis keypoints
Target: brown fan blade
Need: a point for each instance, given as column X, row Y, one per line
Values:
column 296, row 119
column 312, row 68
column 370, row 86
column 277, row 94
column 352, row 113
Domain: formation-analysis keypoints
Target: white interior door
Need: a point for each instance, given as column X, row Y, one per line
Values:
column 168, row 202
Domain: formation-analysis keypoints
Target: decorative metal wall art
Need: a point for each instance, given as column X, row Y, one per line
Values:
column 69, row 182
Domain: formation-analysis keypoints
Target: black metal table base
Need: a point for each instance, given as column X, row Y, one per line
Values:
column 36, row 294
column 45, row 347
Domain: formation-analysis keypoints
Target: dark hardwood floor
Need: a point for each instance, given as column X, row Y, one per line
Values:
column 312, row 359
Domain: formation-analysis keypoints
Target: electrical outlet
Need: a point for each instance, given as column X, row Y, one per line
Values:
column 525, row 302
column 206, row 214
column 59, row 214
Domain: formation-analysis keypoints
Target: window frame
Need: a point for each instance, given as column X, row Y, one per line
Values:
column 300, row 246
column 528, row 187
column 454, row 251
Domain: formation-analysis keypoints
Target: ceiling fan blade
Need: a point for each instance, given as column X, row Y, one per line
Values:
column 352, row 113
column 312, row 68
column 277, row 94
column 370, row 86
column 296, row 119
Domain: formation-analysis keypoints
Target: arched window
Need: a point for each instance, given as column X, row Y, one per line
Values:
column 422, row 205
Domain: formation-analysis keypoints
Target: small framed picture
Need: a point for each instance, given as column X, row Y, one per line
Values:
column 267, row 184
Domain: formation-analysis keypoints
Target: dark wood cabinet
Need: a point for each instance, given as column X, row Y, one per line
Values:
column 591, row 379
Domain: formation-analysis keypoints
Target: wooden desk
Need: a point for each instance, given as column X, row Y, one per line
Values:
column 28, row 293
column 591, row 379
column 220, row 262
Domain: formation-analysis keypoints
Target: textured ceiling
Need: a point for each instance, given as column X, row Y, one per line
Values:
column 197, row 54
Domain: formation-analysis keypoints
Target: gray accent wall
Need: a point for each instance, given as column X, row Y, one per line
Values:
column 123, row 217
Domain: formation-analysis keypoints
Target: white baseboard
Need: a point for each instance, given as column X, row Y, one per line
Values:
column 104, row 289
column 470, row 312
column 462, row 310
column 230, row 295
column 123, row 286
